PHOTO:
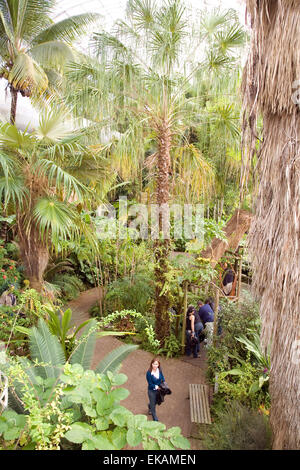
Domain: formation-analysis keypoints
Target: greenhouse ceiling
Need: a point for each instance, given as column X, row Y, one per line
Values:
column 111, row 10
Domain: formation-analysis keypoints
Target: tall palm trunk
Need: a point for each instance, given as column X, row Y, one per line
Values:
column 162, row 247
column 34, row 255
column 13, row 107
column 270, row 72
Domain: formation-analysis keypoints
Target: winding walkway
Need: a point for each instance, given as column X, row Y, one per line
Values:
column 179, row 373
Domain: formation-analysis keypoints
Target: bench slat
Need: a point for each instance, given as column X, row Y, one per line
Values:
column 199, row 405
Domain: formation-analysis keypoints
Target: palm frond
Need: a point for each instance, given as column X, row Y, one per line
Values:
column 68, row 30
column 62, row 179
column 27, row 75
column 45, row 348
column 83, row 353
column 113, row 360
column 54, row 218
column 52, row 54
column 13, row 190
column 142, row 13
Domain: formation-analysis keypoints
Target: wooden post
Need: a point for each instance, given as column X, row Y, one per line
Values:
column 240, row 278
column 185, row 287
column 217, row 301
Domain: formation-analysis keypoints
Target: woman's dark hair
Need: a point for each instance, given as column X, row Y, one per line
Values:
column 190, row 309
column 154, row 360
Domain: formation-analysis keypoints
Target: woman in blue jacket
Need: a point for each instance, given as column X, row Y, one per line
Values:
column 154, row 378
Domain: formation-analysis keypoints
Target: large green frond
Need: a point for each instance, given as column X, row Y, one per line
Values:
column 62, row 179
column 230, row 38
column 69, row 29
column 27, row 75
column 45, row 348
column 52, row 54
column 113, row 360
column 84, row 351
column 142, row 13
column 12, row 138
column 54, row 218
column 13, row 190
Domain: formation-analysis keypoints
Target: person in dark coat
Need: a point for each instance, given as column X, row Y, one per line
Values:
column 161, row 392
column 191, row 334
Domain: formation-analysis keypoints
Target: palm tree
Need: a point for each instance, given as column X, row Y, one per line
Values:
column 38, row 182
column 140, row 87
column 269, row 76
column 33, row 48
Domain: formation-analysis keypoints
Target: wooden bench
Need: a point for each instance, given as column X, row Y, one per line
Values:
column 199, row 404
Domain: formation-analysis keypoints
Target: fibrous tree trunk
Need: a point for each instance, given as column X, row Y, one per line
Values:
column 162, row 246
column 13, row 107
column 234, row 231
column 270, row 76
column 34, row 254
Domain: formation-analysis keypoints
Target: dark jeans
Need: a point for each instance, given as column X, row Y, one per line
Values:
column 152, row 403
column 198, row 329
column 189, row 349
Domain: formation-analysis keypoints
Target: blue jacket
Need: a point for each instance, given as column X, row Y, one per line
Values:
column 206, row 314
column 152, row 381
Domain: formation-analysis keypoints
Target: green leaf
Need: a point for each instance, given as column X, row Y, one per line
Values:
column 150, row 444
column 154, row 426
column 11, row 434
column 119, row 379
column 104, row 404
column 254, row 387
column 83, row 353
column 134, row 437
column 79, row 433
column 65, row 322
column 120, row 394
column 102, row 423
column 118, row 437
column 89, row 410
column 120, row 415
column 3, row 425
column 180, row 442
column 136, row 421
column 236, row 372
column 88, row 445
column 165, row 444
column 101, row 442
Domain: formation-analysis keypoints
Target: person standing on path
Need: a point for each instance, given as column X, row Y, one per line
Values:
column 192, row 342
column 154, row 378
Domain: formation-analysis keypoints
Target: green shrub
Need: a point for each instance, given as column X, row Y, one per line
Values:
column 69, row 285
column 238, row 428
column 130, row 293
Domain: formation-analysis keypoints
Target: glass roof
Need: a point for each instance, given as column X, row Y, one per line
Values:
column 111, row 10
column 115, row 9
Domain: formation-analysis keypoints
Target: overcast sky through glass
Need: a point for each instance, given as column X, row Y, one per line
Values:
column 111, row 11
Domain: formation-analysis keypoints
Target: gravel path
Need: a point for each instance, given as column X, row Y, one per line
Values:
column 179, row 373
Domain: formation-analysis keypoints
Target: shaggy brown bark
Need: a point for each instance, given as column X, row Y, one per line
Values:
column 13, row 106
column 271, row 70
column 234, row 230
column 34, row 254
column 162, row 247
